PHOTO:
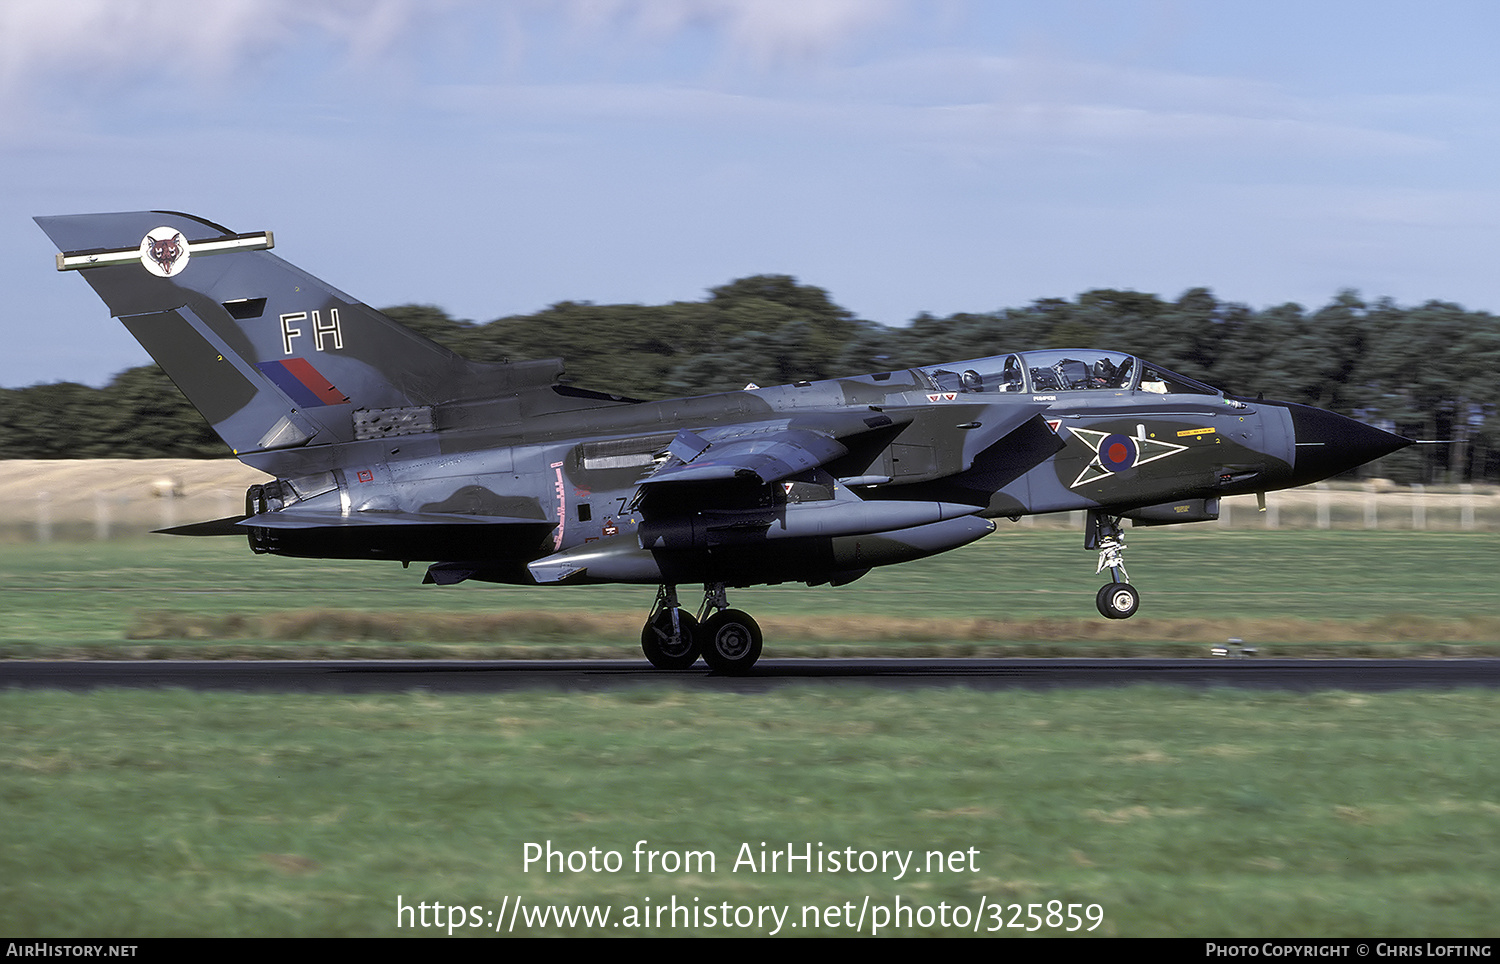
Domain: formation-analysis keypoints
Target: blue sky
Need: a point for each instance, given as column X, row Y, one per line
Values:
column 908, row 156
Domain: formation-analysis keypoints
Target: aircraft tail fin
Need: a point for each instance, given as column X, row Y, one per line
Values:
column 274, row 358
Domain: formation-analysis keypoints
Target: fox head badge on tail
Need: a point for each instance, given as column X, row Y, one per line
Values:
column 386, row 445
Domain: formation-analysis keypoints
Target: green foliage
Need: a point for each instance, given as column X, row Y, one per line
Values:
column 149, row 418
column 431, row 322
column 140, row 414
column 768, row 329
column 1426, row 371
column 29, row 419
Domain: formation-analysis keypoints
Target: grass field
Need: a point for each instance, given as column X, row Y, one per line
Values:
column 1172, row 812
column 1298, row 592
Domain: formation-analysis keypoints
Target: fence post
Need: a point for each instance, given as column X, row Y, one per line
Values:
column 44, row 517
column 1466, row 507
column 168, row 509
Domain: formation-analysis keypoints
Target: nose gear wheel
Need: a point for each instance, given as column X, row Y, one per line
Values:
column 1118, row 600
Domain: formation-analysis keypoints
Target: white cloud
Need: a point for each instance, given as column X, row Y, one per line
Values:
column 988, row 104
column 131, row 38
column 107, row 43
column 63, row 59
column 44, row 39
column 1013, row 119
column 765, row 31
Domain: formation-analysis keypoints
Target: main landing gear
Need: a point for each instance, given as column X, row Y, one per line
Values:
column 728, row 640
column 1119, row 599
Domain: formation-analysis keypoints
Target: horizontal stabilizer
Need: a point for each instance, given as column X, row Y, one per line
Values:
column 228, row 526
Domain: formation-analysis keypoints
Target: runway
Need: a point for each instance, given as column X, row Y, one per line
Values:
column 498, row 676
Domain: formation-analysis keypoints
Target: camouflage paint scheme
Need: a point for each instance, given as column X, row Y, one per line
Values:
column 386, row 445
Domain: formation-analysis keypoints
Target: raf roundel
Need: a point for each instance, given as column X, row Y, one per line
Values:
column 1118, row 452
column 164, row 252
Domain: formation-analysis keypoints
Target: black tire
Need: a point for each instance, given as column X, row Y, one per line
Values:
column 662, row 649
column 731, row 642
column 1118, row 600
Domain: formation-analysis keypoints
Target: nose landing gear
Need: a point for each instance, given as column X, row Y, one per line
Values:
column 1119, row 599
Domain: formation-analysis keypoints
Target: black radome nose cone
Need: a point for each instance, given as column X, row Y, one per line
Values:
column 1329, row 443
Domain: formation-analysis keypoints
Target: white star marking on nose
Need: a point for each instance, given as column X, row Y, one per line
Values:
column 1147, row 449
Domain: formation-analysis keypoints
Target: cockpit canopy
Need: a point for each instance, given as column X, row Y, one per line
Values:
column 1062, row 370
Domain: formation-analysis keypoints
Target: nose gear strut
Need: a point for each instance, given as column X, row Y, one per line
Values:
column 1119, row 599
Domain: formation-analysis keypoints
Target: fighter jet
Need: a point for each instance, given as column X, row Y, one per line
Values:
column 385, row 445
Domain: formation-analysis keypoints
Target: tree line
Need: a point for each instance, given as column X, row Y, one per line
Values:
column 1427, row 371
